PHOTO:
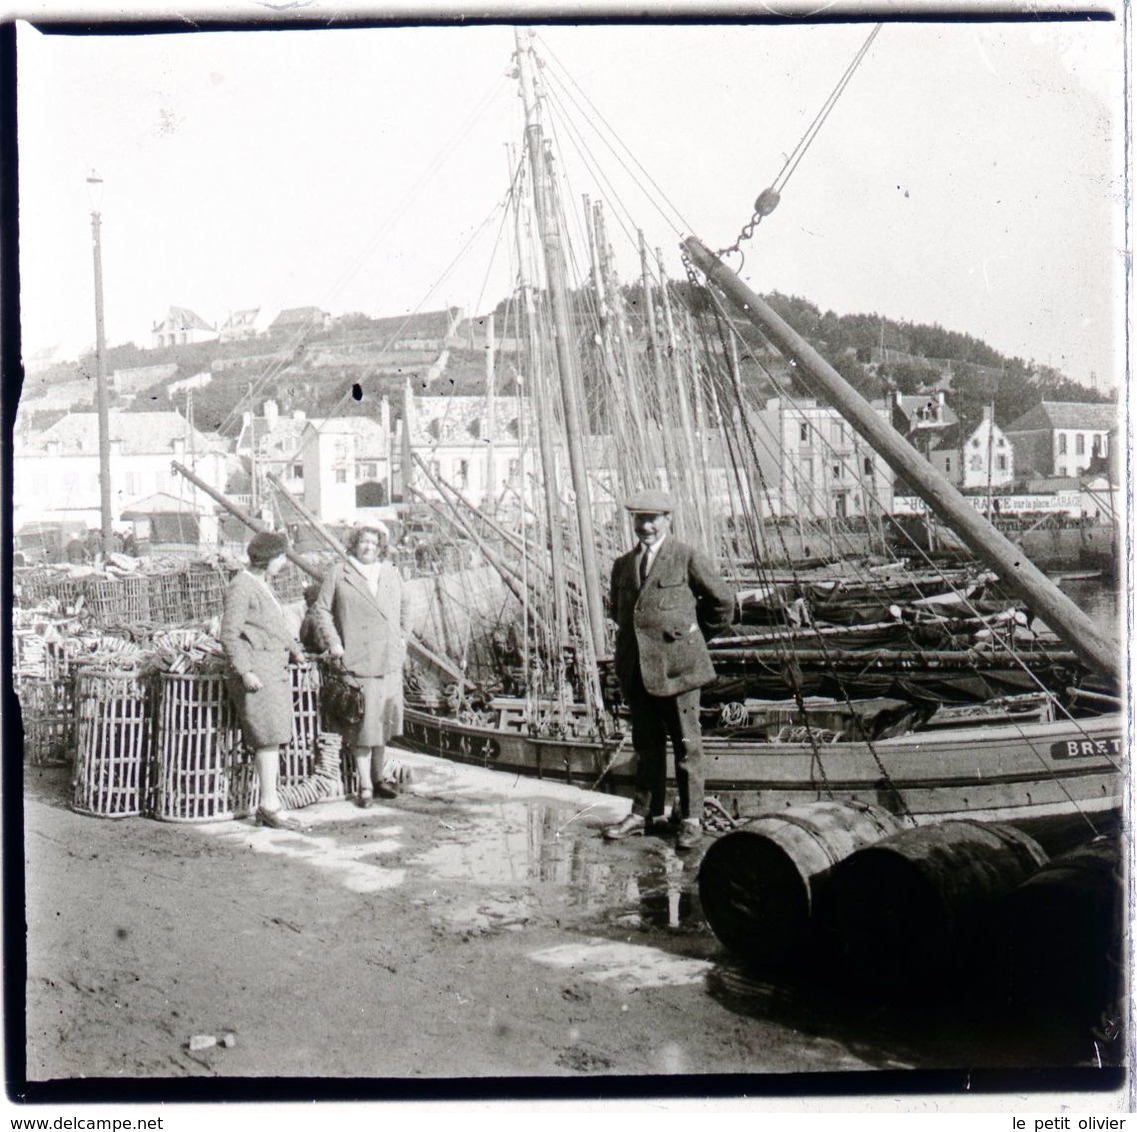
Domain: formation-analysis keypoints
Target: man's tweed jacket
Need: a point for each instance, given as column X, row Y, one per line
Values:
column 665, row 626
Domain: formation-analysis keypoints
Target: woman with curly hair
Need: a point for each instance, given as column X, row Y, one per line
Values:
column 360, row 613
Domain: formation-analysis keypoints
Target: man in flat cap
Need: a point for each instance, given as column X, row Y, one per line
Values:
column 667, row 601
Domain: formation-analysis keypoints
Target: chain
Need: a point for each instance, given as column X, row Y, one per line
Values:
column 765, row 204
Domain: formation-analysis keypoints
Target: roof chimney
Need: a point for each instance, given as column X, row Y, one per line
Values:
column 271, row 413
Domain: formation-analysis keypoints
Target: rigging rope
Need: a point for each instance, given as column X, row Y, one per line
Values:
column 769, row 198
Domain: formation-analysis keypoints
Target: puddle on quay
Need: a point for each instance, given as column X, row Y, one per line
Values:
column 566, row 866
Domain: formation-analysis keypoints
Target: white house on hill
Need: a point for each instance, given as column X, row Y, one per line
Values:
column 180, row 327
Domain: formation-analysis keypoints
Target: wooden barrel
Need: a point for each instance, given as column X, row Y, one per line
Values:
column 915, row 904
column 757, row 884
column 1063, row 936
column 112, row 742
column 202, row 771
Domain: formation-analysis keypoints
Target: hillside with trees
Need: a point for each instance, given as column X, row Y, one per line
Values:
column 321, row 375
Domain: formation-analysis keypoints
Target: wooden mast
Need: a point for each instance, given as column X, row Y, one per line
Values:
column 1095, row 649
column 551, row 240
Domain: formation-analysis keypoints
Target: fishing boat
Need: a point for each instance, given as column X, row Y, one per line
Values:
column 915, row 720
column 1037, row 757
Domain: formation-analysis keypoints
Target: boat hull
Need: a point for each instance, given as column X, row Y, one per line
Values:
column 1038, row 776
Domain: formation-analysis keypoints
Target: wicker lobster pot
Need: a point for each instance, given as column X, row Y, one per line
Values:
column 135, row 598
column 298, row 758
column 201, row 770
column 167, row 598
column 203, row 588
column 119, row 599
column 112, row 742
column 47, row 707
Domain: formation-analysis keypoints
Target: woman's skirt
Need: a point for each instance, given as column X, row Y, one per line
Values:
column 382, row 712
column 266, row 715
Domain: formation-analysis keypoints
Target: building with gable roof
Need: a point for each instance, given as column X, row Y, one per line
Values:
column 980, row 458
column 241, row 325
column 299, row 320
column 922, row 418
column 471, row 443
column 1061, row 438
column 344, row 463
column 56, row 469
column 180, row 327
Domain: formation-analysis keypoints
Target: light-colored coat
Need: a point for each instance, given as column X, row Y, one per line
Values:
column 664, row 626
column 368, row 626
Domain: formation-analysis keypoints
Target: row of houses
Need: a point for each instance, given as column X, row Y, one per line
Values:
column 809, row 461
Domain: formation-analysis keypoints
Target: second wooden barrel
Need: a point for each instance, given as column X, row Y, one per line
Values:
column 757, row 883
column 904, row 910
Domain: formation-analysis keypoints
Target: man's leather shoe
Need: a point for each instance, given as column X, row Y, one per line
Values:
column 690, row 834
column 632, row 826
column 386, row 789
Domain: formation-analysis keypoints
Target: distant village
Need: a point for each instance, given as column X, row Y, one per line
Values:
column 421, row 413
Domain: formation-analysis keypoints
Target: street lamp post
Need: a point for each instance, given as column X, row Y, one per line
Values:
column 95, row 192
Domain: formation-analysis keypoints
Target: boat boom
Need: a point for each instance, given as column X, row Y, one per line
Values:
column 1095, row 648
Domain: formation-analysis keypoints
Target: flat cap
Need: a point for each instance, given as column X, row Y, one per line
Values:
column 649, row 503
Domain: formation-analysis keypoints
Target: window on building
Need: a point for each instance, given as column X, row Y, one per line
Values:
column 462, row 473
column 837, row 432
column 803, row 433
column 836, row 471
column 1061, row 444
column 947, row 464
column 514, row 469
column 976, row 463
column 369, row 471
column 1079, row 444
column 975, row 442
column 341, row 475
column 1001, row 463
column 296, row 471
column 868, row 466
column 436, row 469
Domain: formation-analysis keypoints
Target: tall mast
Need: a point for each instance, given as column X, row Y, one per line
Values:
column 1094, row 648
column 538, row 398
column 552, row 242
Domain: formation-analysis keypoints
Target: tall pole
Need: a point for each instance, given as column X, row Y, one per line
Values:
column 101, row 376
column 1095, row 648
column 574, row 422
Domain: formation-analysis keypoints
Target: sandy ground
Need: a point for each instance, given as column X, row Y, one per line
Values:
column 477, row 926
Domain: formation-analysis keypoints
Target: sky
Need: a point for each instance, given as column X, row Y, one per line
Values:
column 970, row 174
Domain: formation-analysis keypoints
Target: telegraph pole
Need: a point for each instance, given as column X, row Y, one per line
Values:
column 95, row 186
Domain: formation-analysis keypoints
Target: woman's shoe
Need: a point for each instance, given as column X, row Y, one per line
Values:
column 363, row 799
column 276, row 819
